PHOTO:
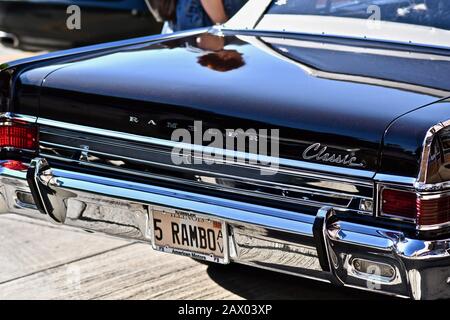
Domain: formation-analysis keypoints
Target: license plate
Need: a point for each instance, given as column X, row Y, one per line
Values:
column 190, row 235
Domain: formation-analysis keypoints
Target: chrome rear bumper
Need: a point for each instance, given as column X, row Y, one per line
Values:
column 319, row 247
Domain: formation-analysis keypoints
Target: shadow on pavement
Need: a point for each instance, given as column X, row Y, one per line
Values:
column 254, row 284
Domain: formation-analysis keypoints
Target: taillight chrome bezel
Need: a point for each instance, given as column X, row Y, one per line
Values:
column 420, row 195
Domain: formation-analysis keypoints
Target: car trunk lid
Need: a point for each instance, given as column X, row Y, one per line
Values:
column 327, row 119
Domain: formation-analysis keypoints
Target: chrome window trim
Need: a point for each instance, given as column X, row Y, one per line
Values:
column 358, row 29
column 354, row 49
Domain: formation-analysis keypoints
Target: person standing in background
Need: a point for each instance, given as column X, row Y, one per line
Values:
column 189, row 14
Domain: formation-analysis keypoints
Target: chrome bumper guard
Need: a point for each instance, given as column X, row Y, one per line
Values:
column 320, row 247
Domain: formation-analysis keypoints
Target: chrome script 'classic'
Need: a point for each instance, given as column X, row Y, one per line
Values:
column 318, row 152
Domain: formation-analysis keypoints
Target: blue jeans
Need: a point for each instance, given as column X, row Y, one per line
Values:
column 190, row 13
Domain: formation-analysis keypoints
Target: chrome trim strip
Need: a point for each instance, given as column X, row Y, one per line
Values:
column 434, row 227
column 14, row 116
column 224, row 188
column 219, row 174
column 243, row 157
column 355, row 49
column 295, row 173
column 434, row 195
column 393, row 179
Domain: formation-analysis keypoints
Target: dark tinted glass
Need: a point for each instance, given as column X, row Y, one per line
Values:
column 433, row 13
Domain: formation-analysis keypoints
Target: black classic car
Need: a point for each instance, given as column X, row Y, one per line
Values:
column 304, row 137
column 49, row 25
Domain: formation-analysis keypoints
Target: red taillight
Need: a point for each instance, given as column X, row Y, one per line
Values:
column 399, row 203
column 14, row 165
column 18, row 136
column 425, row 210
column 433, row 210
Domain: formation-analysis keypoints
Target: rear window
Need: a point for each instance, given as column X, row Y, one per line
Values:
column 432, row 13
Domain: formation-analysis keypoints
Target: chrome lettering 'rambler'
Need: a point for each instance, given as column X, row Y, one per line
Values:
column 318, row 152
